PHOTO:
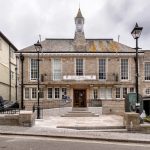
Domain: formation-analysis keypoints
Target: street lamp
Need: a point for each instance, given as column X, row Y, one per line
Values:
column 136, row 32
column 38, row 48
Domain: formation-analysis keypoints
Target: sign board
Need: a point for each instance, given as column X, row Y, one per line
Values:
column 73, row 77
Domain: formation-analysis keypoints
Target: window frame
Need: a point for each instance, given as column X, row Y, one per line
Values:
column 147, row 80
column 25, row 93
column 119, row 93
column 121, row 77
column 59, row 72
column 52, row 94
column 83, row 64
column 59, row 94
column 33, row 79
column 104, row 68
column 32, row 93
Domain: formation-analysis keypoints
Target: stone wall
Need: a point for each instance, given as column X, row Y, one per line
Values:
column 113, row 107
column 24, row 118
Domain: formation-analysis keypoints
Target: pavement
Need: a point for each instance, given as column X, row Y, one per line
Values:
column 104, row 127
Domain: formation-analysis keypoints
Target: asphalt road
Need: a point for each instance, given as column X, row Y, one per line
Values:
column 40, row 143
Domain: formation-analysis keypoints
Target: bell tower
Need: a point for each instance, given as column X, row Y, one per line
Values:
column 79, row 39
column 79, row 21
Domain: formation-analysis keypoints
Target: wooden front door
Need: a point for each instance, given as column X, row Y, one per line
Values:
column 79, row 98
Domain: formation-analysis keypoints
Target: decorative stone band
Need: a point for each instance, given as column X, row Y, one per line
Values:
column 82, row 54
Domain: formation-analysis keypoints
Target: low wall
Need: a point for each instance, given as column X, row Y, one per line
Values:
column 9, row 119
column 131, row 121
column 24, row 118
column 113, row 107
column 46, row 104
column 145, row 128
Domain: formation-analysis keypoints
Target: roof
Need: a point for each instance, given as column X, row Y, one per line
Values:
column 92, row 45
column 8, row 41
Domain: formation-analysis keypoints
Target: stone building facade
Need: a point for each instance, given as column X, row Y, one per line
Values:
column 7, row 68
column 83, row 69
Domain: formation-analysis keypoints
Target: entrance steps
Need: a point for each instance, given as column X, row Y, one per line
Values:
column 80, row 112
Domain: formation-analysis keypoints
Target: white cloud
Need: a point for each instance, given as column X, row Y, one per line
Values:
column 22, row 21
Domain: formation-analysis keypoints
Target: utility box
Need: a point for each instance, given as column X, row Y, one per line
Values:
column 131, row 103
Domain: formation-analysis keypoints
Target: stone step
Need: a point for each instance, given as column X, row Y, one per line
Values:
column 80, row 114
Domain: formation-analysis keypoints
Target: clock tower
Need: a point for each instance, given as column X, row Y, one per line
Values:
column 79, row 39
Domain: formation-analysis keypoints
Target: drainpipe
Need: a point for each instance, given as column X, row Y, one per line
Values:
column 9, row 73
column 22, row 84
column 16, row 70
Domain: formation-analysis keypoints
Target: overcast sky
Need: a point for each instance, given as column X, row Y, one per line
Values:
column 23, row 20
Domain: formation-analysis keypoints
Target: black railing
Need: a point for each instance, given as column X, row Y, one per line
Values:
column 95, row 103
column 9, row 111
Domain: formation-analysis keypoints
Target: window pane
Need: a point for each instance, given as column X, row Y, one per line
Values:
column 147, row 71
column 56, row 92
column 34, row 93
column 79, row 67
column 34, row 69
column 131, row 90
column 124, row 92
column 109, row 93
column 124, row 69
column 26, row 93
column 57, row 69
column 102, row 93
column 147, row 91
column 41, row 93
column 64, row 92
column 102, row 69
column 50, row 93
column 95, row 93
column 117, row 92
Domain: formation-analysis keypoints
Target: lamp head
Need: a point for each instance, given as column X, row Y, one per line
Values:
column 136, row 32
column 38, row 46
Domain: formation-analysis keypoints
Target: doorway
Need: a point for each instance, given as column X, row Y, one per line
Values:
column 79, row 98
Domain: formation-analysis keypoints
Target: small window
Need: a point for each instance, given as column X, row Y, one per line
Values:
column 131, row 89
column 102, row 69
column 79, row 67
column 95, row 93
column 64, row 92
column 124, row 92
column 147, row 70
column 57, row 93
column 124, row 69
column 106, row 93
column 41, row 93
column 118, row 93
column 27, row 93
column 147, row 91
column 34, row 69
column 50, row 93
column 34, row 93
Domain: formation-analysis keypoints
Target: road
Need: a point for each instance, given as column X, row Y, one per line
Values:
column 43, row 143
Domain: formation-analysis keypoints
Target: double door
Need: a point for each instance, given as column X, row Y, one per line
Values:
column 79, row 98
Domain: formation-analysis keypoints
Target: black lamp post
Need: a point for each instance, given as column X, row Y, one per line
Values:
column 38, row 48
column 136, row 32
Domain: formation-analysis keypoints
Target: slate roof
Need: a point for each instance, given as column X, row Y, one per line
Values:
column 93, row 45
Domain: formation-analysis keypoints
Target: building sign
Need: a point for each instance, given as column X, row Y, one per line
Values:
column 73, row 77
